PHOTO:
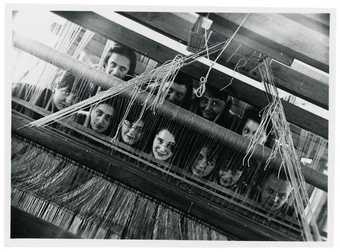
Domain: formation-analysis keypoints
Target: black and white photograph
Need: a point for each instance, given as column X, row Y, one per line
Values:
column 195, row 124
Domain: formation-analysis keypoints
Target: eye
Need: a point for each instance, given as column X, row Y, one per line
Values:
column 123, row 69
column 113, row 64
column 138, row 129
column 160, row 140
column 246, row 131
column 204, row 101
column 180, row 95
column 210, row 162
column 99, row 112
column 107, row 117
column 282, row 195
column 170, row 146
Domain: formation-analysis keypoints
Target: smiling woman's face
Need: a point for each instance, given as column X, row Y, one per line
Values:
column 203, row 164
column 163, row 144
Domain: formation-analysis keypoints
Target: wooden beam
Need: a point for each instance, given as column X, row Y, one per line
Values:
column 300, row 85
column 179, row 25
column 277, row 31
column 184, row 196
column 323, row 18
column 292, row 81
column 158, row 51
column 311, row 22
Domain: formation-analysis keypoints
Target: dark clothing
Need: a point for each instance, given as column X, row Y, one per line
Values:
column 41, row 98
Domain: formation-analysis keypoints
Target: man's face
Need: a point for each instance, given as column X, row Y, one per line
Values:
column 163, row 144
column 132, row 132
column 228, row 178
column 275, row 193
column 203, row 165
column 250, row 129
column 62, row 97
column 211, row 107
column 118, row 65
column 176, row 93
column 101, row 117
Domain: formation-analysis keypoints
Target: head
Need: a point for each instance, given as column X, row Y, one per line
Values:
column 228, row 178
column 204, row 163
column 180, row 92
column 250, row 123
column 163, row 145
column 132, row 131
column 64, row 94
column 120, row 62
column 212, row 104
column 101, row 117
column 177, row 93
column 275, row 192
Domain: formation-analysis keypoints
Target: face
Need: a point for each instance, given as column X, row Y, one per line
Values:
column 211, row 107
column 228, row 178
column 275, row 193
column 176, row 93
column 62, row 97
column 118, row 65
column 132, row 132
column 203, row 165
column 163, row 144
column 250, row 129
column 101, row 117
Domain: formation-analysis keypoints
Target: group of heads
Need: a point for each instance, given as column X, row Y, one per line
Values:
column 274, row 187
column 275, row 190
column 103, row 115
column 211, row 106
column 120, row 62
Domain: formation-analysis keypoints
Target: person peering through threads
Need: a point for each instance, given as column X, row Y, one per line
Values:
column 100, row 118
column 164, row 142
column 68, row 90
column 236, row 173
column 120, row 62
column 134, row 128
column 273, row 192
column 214, row 106
column 179, row 91
column 206, row 160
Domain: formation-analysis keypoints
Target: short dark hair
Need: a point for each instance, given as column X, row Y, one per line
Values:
column 279, row 173
column 80, row 86
column 254, row 115
column 249, row 114
column 184, row 80
column 125, row 51
column 220, row 94
column 68, row 80
column 110, row 103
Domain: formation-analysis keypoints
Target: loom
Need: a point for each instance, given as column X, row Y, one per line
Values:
column 189, row 202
